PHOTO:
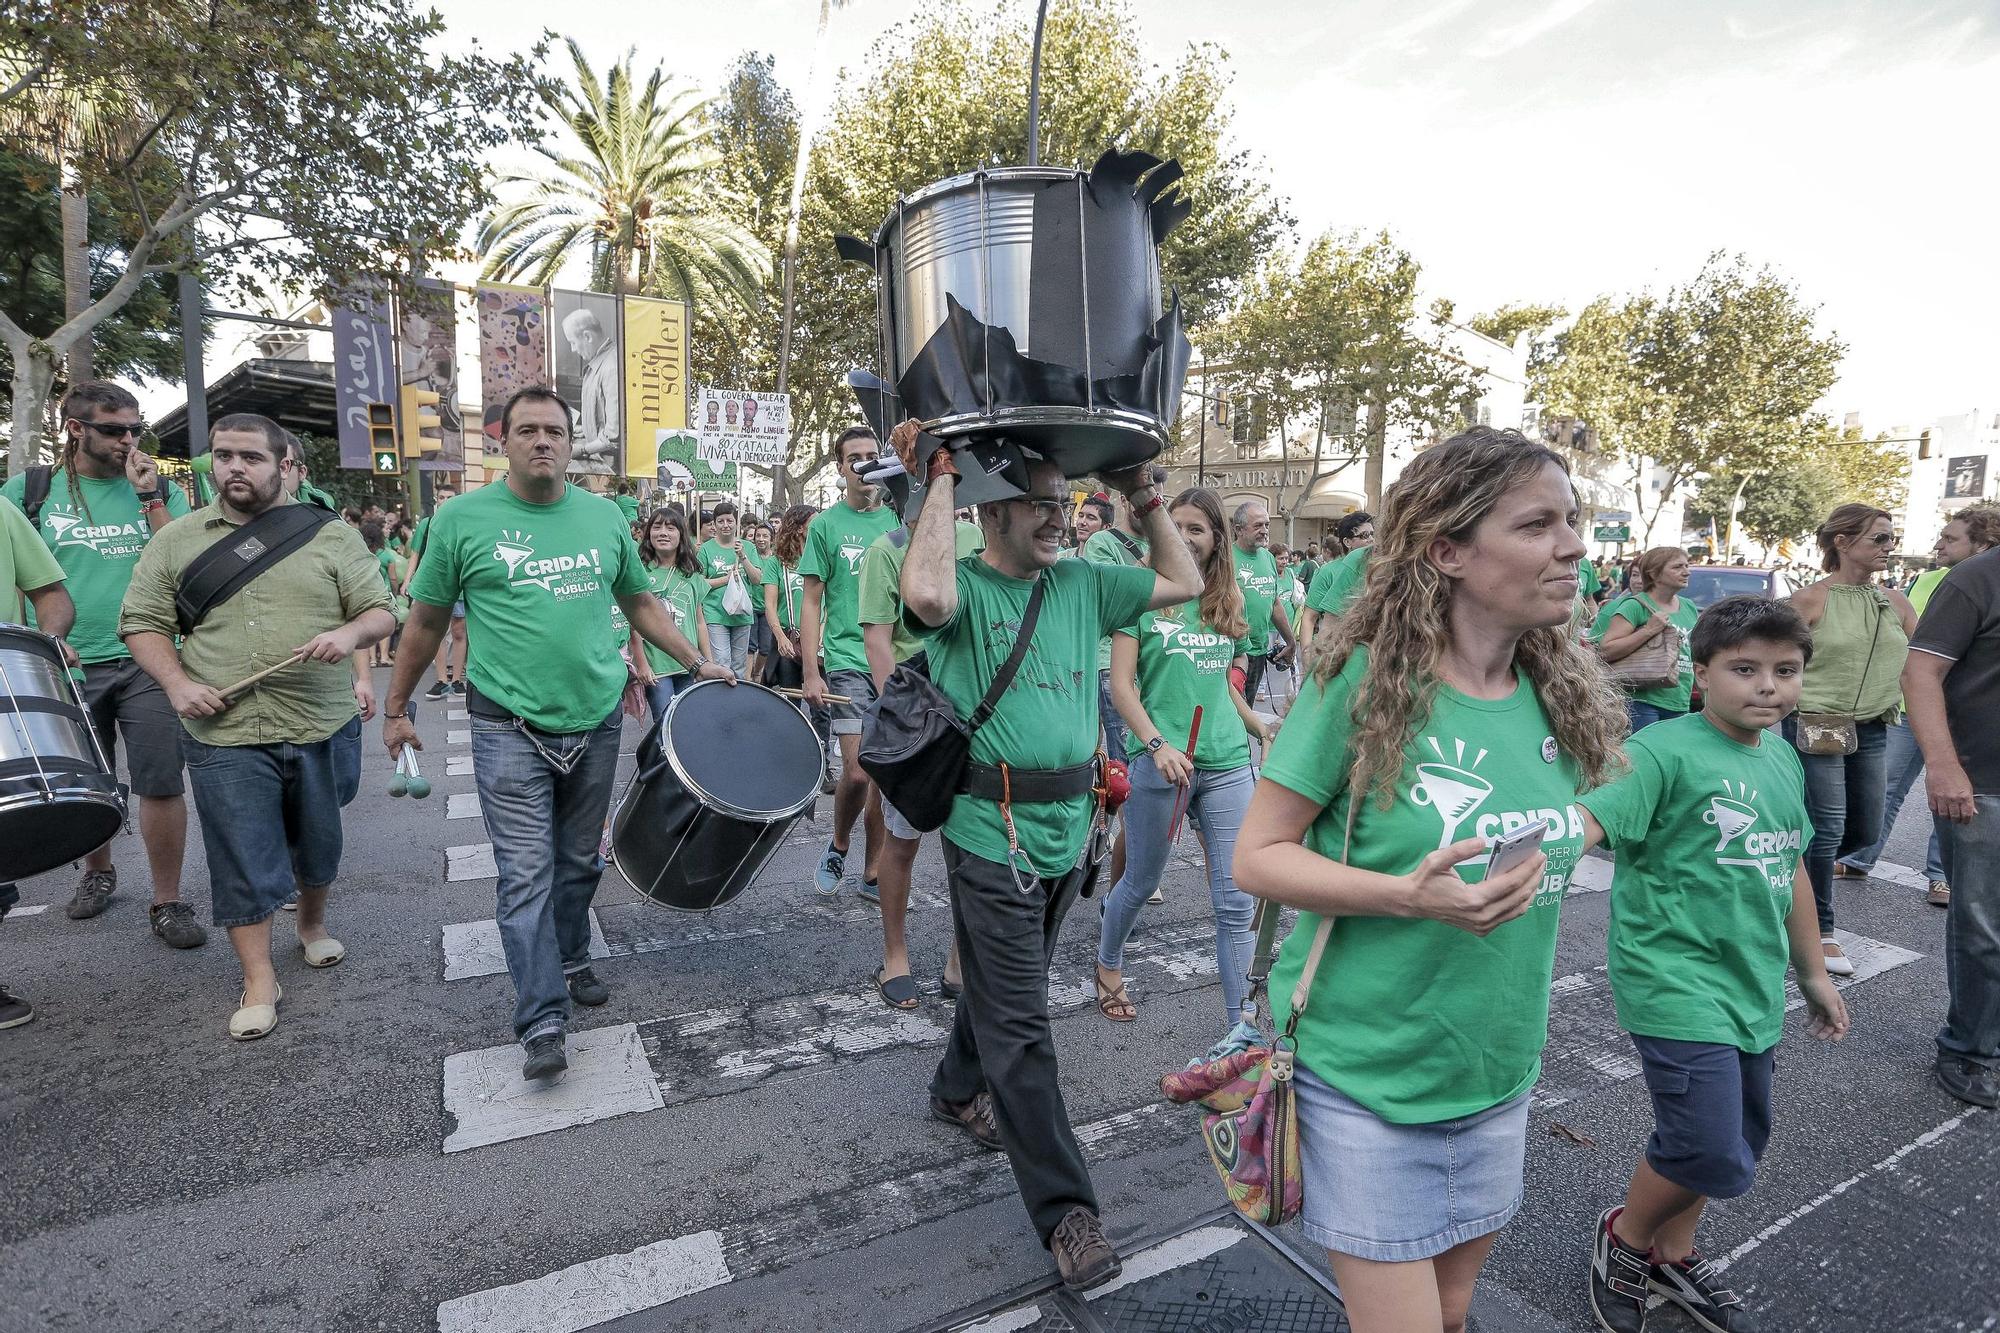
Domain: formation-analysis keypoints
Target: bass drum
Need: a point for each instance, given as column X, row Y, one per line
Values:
column 58, row 796
column 736, row 767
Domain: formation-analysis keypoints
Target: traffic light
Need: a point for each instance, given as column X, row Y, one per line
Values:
column 421, row 433
column 386, row 459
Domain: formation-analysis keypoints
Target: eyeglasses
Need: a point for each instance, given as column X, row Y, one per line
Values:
column 114, row 429
column 1882, row 540
column 1044, row 509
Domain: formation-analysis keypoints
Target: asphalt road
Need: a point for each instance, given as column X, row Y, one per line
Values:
column 743, row 1141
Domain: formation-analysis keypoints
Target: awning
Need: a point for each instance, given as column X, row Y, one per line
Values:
column 1595, row 493
column 298, row 395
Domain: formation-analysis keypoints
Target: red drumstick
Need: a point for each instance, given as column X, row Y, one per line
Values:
column 1181, row 804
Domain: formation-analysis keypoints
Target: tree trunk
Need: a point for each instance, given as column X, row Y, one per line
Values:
column 76, row 266
column 1378, row 440
column 34, row 375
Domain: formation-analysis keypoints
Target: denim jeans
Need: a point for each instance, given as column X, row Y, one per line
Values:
column 1844, row 802
column 731, row 645
column 545, row 825
column 1114, row 725
column 1639, row 714
column 1972, row 936
column 1903, row 764
column 1219, row 800
column 658, row 695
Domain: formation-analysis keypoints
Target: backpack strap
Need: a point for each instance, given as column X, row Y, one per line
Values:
column 35, row 491
column 1129, row 544
column 230, row 565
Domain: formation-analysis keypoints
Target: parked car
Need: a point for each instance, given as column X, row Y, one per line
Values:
column 1709, row 584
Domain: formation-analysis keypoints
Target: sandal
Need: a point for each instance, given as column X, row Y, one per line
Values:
column 251, row 1021
column 898, row 992
column 1114, row 1004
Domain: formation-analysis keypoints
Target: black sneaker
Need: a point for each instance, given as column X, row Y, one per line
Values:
column 14, row 1010
column 1618, row 1278
column 93, row 894
column 458, row 689
column 1969, row 1082
column 1695, row 1285
column 585, row 988
column 1083, row 1255
column 438, row 690
column 545, row 1059
column 174, row 922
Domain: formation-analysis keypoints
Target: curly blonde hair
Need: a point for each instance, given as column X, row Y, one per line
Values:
column 1221, row 600
column 1404, row 616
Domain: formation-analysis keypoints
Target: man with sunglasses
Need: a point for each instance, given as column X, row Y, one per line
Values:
column 95, row 510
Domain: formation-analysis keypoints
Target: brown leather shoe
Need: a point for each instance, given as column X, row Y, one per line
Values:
column 974, row 1117
column 1083, row 1256
column 1939, row 893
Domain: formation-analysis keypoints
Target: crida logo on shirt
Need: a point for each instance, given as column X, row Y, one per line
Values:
column 1197, row 643
column 563, row 575
column 851, row 552
column 68, row 526
column 1734, row 817
column 1450, row 784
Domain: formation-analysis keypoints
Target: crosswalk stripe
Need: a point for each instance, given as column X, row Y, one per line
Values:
column 456, row 715
column 595, row 1291
column 36, row 910
column 462, row 736
column 487, row 1101
column 470, row 862
column 472, row 948
column 458, row 765
column 462, row 805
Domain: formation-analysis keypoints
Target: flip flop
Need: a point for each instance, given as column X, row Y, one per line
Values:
column 251, row 1021
column 323, row 953
column 898, row 992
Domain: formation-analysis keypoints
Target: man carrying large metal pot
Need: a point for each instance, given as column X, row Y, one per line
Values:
column 1015, row 841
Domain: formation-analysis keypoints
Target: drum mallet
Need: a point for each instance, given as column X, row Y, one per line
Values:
column 1181, row 802
column 414, row 784
column 252, row 681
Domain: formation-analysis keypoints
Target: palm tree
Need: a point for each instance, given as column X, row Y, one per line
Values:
column 637, row 192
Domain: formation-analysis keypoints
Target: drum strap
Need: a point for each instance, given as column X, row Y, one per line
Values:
column 230, row 565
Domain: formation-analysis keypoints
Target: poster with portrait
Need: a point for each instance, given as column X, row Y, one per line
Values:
column 430, row 362
column 656, row 377
column 364, row 369
column 1965, row 477
column 583, row 347
column 738, row 427
column 513, row 353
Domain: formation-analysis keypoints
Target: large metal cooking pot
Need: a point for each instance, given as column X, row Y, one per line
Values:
column 1025, row 302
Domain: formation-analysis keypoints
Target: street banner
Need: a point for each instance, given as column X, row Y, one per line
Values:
column 1965, row 477
column 430, row 362
column 743, row 427
column 656, row 377
column 513, row 353
column 681, row 467
column 364, row 360
column 585, row 352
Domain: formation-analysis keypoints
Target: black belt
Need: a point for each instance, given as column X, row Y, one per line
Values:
column 479, row 706
column 1029, row 786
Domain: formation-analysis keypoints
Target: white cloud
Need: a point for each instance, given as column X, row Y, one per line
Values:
column 1514, row 36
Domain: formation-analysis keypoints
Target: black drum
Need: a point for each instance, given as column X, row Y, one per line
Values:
column 736, row 767
column 58, row 796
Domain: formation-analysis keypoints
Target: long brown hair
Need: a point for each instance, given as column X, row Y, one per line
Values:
column 1404, row 616
column 685, row 559
column 790, row 542
column 1221, row 600
column 1850, row 520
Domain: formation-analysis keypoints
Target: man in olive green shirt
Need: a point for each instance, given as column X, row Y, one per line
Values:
column 271, row 766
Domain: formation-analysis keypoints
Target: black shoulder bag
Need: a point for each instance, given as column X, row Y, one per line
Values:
column 226, row 568
column 913, row 743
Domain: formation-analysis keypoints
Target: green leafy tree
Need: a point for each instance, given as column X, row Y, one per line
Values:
column 1508, row 322
column 1787, row 500
column 635, row 187
column 1718, row 376
column 282, row 144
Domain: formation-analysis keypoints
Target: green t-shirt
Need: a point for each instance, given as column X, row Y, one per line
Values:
column 538, row 582
column 392, row 570
column 791, row 590
column 881, row 598
column 1338, row 582
column 717, row 560
column 1708, row 833
column 1048, row 716
column 1417, row 1020
column 1636, row 608
column 24, row 562
column 836, row 542
column 97, row 536
column 1587, row 582
column 681, row 594
column 1109, row 546
column 1257, row 575
column 628, row 505
column 1183, row 664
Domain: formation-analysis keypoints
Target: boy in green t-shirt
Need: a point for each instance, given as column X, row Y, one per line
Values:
column 1708, row 902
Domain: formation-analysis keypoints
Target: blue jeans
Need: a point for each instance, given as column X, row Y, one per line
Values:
column 1972, row 936
column 1641, row 714
column 731, row 645
column 1844, row 802
column 545, row 825
column 270, row 818
column 1903, row 764
column 1114, row 725
column 1219, row 800
column 658, row 695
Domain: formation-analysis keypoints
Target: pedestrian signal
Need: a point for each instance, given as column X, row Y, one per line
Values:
column 386, row 459
column 421, row 432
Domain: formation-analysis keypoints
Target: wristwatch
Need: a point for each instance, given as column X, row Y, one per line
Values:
column 1153, row 745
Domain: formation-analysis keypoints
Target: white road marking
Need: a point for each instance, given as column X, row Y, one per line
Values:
column 594, row 1291
column 456, row 715
column 462, row 805
column 472, row 948
column 1900, row 875
column 485, row 1094
column 460, row 737
column 471, row 862
column 36, row 910
column 1818, row 1201
column 1006, row 1322
column 1177, row 1252
column 1592, row 875
column 458, row 765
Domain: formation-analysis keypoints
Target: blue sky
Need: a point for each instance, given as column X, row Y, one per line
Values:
column 1559, row 149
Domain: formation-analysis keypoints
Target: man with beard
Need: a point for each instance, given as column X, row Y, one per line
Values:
column 273, row 765
column 1014, row 845
column 1257, row 574
column 96, row 510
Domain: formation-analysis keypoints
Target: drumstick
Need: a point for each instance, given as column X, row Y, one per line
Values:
column 1181, row 803
column 790, row 693
column 249, row 681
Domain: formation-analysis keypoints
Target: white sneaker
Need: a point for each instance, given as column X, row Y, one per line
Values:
column 1838, row 964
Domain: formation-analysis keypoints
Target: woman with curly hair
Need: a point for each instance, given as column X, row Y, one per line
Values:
column 1450, row 704
column 1164, row 666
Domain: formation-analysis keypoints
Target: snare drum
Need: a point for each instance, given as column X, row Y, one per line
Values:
column 737, row 766
column 58, row 796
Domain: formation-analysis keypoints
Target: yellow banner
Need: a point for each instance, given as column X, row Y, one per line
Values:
column 656, row 379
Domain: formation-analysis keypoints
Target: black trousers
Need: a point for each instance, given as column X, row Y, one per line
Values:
column 1000, row 1040
column 1253, row 675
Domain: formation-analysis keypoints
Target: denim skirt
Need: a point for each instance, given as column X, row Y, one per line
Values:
column 1401, row 1193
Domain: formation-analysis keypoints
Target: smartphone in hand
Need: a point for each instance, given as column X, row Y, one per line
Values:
column 1509, row 850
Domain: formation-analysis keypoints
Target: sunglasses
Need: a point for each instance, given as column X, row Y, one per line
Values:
column 1882, row 540
column 114, row 429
